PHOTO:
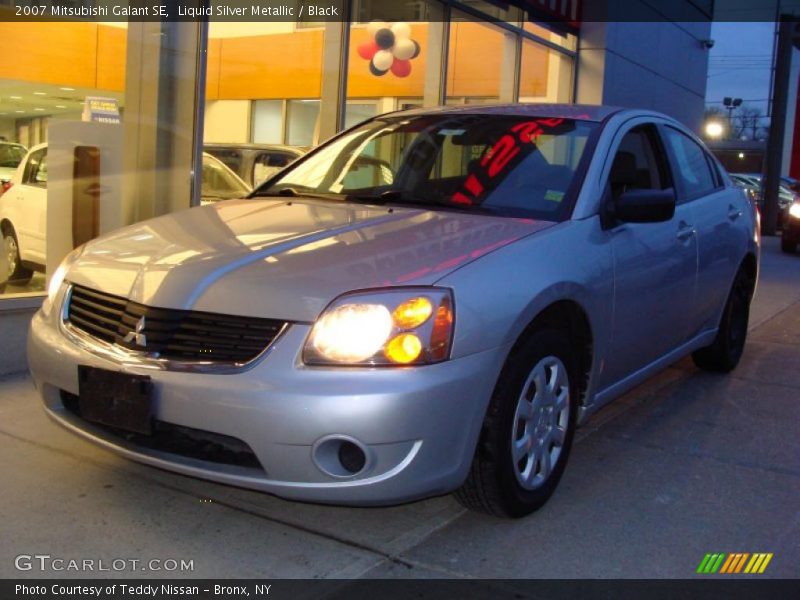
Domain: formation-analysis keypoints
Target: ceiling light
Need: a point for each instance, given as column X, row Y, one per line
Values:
column 60, row 106
column 67, row 89
column 39, row 109
column 19, row 111
column 16, row 97
column 40, row 93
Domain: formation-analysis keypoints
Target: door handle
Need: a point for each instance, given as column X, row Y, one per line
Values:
column 685, row 231
column 733, row 212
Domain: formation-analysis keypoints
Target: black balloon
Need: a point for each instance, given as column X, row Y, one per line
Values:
column 384, row 38
column 375, row 71
column 416, row 49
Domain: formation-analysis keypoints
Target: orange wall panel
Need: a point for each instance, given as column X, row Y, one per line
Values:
column 534, row 70
column 57, row 53
column 286, row 65
column 112, row 43
column 474, row 61
column 213, row 68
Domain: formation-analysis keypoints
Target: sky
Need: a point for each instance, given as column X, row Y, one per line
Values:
column 740, row 63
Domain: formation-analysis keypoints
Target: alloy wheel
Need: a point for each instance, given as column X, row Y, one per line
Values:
column 12, row 254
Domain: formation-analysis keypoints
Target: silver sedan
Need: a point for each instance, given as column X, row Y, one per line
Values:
column 430, row 302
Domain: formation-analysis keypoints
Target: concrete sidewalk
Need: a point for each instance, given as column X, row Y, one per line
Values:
column 686, row 464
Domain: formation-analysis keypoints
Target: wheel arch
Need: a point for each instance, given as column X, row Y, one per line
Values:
column 750, row 265
column 570, row 316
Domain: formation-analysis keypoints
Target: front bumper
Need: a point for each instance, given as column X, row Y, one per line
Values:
column 418, row 425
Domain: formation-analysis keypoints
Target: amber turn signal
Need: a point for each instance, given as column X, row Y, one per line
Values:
column 404, row 348
column 412, row 313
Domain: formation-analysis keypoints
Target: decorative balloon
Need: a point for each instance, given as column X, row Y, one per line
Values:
column 390, row 48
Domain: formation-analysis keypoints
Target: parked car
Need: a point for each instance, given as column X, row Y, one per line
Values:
column 10, row 156
column 255, row 163
column 23, row 209
column 752, row 191
column 448, row 331
column 791, row 183
column 785, row 196
column 790, row 236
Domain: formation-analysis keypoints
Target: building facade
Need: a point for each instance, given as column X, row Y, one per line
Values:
column 174, row 87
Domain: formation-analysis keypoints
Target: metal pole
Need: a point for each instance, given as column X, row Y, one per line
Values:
column 780, row 95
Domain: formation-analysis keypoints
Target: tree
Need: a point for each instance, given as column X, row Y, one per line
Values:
column 748, row 123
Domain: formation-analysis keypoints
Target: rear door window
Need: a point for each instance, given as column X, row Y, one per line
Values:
column 691, row 167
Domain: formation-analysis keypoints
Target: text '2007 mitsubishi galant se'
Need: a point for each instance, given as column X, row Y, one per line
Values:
column 430, row 302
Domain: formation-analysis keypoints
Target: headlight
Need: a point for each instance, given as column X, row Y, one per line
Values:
column 794, row 210
column 57, row 278
column 397, row 326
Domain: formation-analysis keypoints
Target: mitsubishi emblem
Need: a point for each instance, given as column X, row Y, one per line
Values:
column 137, row 335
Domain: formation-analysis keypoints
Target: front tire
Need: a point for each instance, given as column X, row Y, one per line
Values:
column 16, row 272
column 528, row 430
column 724, row 353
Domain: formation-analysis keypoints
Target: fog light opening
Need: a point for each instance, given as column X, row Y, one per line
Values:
column 340, row 456
column 351, row 457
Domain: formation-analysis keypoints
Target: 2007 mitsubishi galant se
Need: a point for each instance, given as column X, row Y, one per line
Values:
column 430, row 302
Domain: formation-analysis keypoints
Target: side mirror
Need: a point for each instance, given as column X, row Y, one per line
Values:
column 645, row 206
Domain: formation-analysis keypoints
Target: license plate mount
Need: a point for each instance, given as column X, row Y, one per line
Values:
column 115, row 399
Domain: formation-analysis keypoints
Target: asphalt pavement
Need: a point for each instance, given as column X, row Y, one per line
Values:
column 689, row 463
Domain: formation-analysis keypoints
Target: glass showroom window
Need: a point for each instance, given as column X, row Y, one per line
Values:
column 61, row 95
column 546, row 75
column 263, row 87
column 481, row 62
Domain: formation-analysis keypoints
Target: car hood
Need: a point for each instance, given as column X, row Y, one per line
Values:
column 285, row 259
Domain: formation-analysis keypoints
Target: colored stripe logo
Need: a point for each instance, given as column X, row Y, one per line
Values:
column 736, row 562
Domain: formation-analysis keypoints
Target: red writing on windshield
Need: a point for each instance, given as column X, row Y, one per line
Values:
column 497, row 158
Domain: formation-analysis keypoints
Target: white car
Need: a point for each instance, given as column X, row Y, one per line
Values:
column 23, row 209
column 10, row 156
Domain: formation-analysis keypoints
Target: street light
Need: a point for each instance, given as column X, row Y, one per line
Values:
column 731, row 104
column 714, row 129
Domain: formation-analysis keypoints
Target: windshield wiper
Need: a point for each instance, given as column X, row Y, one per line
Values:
column 295, row 193
column 382, row 198
column 398, row 197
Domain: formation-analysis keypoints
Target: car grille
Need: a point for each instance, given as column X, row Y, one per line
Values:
column 183, row 335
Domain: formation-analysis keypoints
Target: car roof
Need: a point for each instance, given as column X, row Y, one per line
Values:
column 584, row 112
column 249, row 146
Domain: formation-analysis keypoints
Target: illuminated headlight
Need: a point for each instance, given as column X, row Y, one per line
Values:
column 397, row 326
column 57, row 278
column 794, row 210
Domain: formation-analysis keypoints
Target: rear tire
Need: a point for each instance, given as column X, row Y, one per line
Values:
column 724, row 353
column 527, row 433
column 16, row 272
column 788, row 245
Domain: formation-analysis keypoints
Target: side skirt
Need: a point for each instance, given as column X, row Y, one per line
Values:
column 631, row 381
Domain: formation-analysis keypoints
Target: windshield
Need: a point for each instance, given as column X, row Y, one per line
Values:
column 503, row 164
column 11, row 155
column 219, row 182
